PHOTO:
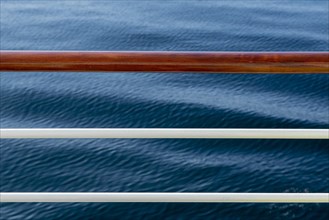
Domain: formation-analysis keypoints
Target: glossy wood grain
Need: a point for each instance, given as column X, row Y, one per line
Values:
column 143, row 61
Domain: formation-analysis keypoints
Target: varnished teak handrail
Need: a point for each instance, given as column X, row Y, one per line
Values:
column 147, row 61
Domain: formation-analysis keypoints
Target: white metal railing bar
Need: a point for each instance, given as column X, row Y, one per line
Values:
column 164, row 133
column 166, row 197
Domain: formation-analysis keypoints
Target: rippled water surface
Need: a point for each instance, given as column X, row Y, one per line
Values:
column 158, row 100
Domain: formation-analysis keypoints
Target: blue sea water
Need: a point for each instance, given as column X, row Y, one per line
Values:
column 159, row 100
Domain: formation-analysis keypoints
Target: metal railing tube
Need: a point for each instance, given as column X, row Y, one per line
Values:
column 166, row 197
column 164, row 133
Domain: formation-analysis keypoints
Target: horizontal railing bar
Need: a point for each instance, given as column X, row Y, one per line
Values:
column 166, row 197
column 164, row 133
column 166, row 61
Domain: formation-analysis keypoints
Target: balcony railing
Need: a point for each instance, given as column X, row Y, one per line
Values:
column 203, row 62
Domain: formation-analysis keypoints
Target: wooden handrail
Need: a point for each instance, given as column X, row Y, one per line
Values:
column 147, row 61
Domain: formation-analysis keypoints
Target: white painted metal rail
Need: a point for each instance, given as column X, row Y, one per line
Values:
column 168, row 197
column 166, row 133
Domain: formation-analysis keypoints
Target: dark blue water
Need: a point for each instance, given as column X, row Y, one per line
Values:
column 157, row 100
